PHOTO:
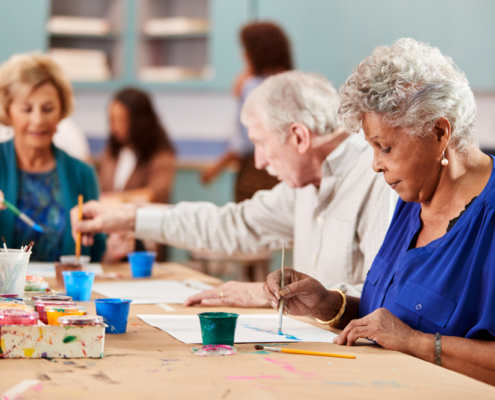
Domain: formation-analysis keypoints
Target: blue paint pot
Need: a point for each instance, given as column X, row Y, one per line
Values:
column 141, row 263
column 78, row 284
column 115, row 313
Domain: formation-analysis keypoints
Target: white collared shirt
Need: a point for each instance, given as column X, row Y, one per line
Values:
column 335, row 230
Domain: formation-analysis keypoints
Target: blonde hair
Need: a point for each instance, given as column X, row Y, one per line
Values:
column 410, row 84
column 294, row 96
column 30, row 71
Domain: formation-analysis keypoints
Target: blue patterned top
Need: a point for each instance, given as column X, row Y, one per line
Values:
column 40, row 197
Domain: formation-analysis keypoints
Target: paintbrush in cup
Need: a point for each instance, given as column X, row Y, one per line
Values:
column 282, row 280
column 78, row 237
column 307, row 352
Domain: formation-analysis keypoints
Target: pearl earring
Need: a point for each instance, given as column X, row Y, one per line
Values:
column 445, row 162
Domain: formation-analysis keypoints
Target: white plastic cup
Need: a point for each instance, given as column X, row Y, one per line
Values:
column 13, row 268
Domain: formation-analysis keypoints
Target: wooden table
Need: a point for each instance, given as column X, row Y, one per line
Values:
column 147, row 363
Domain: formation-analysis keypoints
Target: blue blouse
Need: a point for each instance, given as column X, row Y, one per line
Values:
column 40, row 198
column 447, row 286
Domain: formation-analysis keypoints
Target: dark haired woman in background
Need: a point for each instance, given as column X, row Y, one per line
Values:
column 266, row 52
column 139, row 162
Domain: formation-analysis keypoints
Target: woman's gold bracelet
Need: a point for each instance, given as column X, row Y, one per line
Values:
column 341, row 312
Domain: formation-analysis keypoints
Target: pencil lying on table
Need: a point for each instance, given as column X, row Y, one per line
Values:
column 307, row 352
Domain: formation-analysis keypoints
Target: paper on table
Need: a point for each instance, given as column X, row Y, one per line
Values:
column 150, row 291
column 47, row 270
column 253, row 328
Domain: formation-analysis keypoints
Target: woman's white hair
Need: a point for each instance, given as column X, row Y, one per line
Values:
column 412, row 85
column 293, row 96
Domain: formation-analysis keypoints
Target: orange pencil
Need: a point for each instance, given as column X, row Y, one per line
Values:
column 307, row 352
column 78, row 238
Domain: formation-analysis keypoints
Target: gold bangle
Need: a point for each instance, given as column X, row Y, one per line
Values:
column 341, row 312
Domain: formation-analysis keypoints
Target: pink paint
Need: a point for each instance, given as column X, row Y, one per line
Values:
column 38, row 387
column 251, row 378
column 289, row 368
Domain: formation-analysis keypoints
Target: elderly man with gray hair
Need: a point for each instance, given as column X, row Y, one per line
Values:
column 330, row 206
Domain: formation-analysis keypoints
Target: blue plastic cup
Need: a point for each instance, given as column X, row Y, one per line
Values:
column 115, row 313
column 141, row 263
column 78, row 284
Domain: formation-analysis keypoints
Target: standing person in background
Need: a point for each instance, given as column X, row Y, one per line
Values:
column 266, row 52
column 40, row 179
column 139, row 162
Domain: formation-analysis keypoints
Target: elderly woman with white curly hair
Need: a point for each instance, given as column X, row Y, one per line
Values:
column 430, row 291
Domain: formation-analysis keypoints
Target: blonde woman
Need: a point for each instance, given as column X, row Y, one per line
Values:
column 41, row 180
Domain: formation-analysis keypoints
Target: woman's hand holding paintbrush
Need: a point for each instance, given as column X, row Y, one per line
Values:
column 302, row 295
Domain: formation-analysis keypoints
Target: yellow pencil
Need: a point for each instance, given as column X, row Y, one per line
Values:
column 78, row 238
column 307, row 352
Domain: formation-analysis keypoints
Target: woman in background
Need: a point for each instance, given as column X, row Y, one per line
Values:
column 41, row 180
column 266, row 52
column 139, row 162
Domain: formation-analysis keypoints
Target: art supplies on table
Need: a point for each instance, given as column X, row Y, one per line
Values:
column 255, row 328
column 115, row 313
column 151, row 291
column 303, row 352
column 13, row 268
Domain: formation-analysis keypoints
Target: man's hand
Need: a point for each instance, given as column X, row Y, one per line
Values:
column 231, row 294
column 98, row 217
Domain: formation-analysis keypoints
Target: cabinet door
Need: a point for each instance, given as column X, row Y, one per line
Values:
column 332, row 36
column 227, row 18
column 22, row 26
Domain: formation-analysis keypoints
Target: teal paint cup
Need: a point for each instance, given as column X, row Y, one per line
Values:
column 115, row 313
column 141, row 263
column 218, row 327
column 78, row 284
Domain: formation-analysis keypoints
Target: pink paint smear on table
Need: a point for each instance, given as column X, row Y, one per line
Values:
column 289, row 368
column 250, row 378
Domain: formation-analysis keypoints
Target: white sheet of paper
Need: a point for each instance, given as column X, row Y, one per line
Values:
column 256, row 328
column 149, row 291
column 47, row 270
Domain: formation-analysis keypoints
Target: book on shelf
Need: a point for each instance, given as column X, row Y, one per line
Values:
column 61, row 24
column 175, row 26
column 82, row 64
column 172, row 73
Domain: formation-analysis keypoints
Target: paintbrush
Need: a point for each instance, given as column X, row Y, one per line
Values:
column 282, row 280
column 78, row 238
column 23, row 217
column 4, row 245
column 307, row 352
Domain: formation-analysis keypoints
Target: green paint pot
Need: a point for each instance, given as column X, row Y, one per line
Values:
column 218, row 327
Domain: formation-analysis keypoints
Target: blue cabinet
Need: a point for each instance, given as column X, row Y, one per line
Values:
column 22, row 26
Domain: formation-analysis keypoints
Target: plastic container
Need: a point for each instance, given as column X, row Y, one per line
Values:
column 15, row 306
column 11, row 300
column 54, row 312
column 80, row 320
column 41, row 304
column 9, row 296
column 115, row 313
column 218, row 328
column 13, row 266
column 18, row 317
column 51, row 297
column 141, row 263
column 83, row 260
column 32, row 286
column 79, row 284
column 34, row 278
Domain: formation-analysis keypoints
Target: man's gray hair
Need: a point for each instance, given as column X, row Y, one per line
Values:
column 293, row 96
column 412, row 85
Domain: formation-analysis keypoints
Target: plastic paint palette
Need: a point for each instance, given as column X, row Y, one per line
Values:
column 212, row 350
column 18, row 317
column 53, row 312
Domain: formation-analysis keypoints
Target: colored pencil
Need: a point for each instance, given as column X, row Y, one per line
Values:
column 282, row 280
column 307, row 352
column 78, row 238
column 23, row 217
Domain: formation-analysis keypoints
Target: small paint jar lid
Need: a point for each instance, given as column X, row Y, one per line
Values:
column 64, row 309
column 14, row 306
column 9, row 296
column 35, row 286
column 11, row 300
column 51, row 297
column 18, row 317
column 80, row 320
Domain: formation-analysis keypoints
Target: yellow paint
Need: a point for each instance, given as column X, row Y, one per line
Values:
column 2, row 344
column 41, row 335
column 28, row 352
